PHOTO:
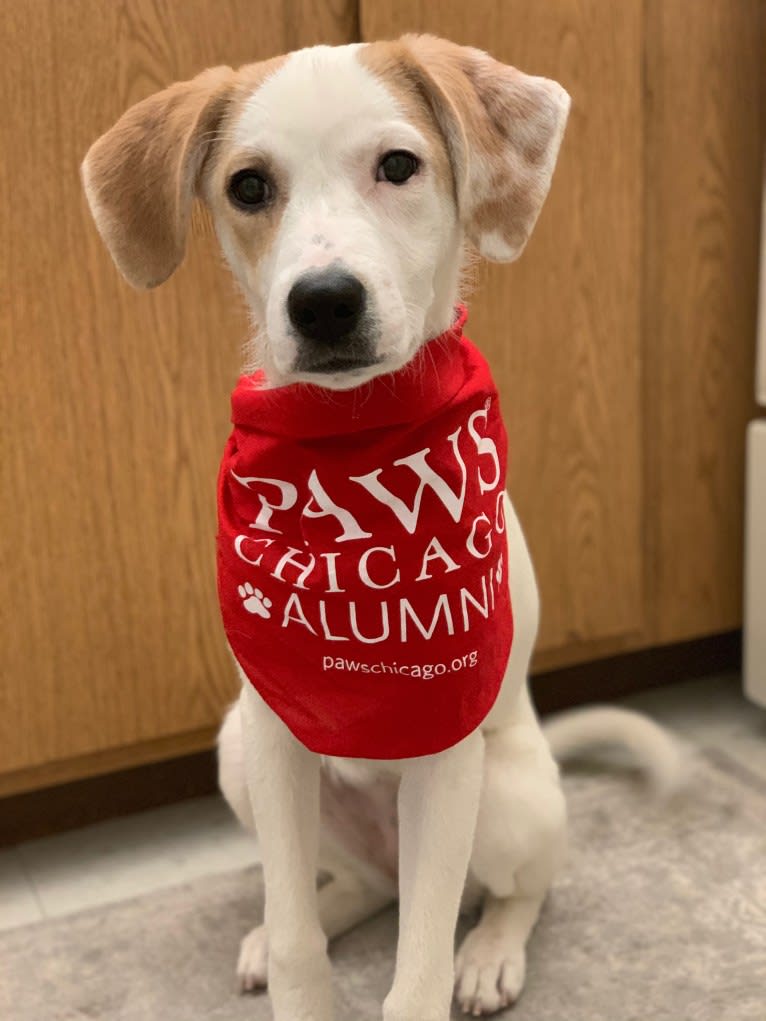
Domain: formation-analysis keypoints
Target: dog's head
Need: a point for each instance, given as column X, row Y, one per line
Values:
column 343, row 182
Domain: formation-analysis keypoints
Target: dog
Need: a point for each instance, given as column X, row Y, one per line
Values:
column 347, row 185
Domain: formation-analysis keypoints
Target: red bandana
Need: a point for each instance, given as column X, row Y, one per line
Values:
column 362, row 566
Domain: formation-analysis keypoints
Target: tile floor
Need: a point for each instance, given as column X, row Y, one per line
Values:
column 125, row 857
column 121, row 858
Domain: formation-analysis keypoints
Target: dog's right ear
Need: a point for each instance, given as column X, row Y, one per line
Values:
column 141, row 176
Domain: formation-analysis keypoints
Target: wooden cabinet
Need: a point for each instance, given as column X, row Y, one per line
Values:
column 114, row 404
column 704, row 116
column 622, row 341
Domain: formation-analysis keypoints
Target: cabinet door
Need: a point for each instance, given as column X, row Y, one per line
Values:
column 561, row 328
column 706, row 127
column 114, row 405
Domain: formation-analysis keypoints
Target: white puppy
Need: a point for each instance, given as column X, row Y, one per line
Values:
column 381, row 162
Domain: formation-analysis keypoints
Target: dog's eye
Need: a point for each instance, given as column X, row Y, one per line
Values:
column 248, row 190
column 397, row 166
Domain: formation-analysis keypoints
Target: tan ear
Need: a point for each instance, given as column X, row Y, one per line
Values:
column 503, row 130
column 140, row 177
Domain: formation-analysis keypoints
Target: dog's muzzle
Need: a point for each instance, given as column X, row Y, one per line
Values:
column 327, row 310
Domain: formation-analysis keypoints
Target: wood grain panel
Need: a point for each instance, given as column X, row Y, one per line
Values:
column 107, row 760
column 562, row 327
column 113, row 405
column 706, row 102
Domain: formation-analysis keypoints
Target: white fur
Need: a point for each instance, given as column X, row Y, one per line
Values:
column 487, row 815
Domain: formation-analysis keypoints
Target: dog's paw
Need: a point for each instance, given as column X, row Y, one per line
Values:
column 489, row 972
column 253, row 961
column 254, row 601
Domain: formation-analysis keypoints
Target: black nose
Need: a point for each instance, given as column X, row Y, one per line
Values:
column 326, row 305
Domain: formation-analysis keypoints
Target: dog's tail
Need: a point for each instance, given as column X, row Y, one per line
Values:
column 655, row 750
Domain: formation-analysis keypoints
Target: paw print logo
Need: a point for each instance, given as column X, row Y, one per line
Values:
column 254, row 601
column 499, row 572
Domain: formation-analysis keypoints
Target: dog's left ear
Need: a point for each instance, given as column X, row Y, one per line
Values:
column 140, row 177
column 503, row 130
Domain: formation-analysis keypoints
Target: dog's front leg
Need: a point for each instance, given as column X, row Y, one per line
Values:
column 283, row 783
column 438, row 804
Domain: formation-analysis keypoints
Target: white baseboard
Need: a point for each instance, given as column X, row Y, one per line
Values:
column 754, row 636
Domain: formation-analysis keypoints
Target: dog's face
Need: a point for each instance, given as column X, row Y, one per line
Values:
column 342, row 182
column 333, row 201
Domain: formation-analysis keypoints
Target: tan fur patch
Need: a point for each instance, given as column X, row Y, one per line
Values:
column 252, row 243
column 500, row 127
column 224, row 159
column 142, row 175
column 390, row 61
